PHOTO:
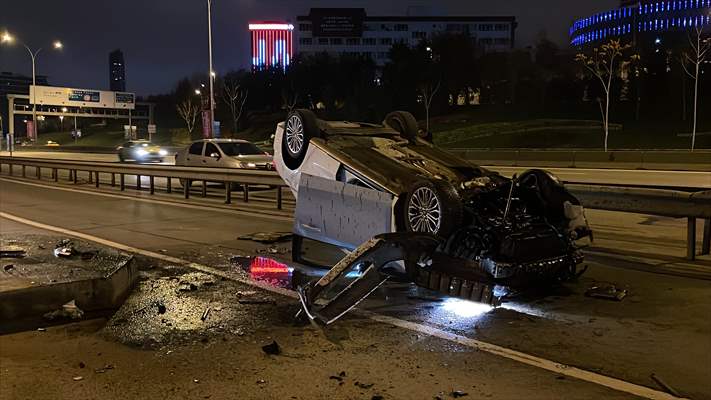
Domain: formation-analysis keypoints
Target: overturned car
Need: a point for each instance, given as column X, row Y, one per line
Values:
column 405, row 207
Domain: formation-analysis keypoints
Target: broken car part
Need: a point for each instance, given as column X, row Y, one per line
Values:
column 395, row 254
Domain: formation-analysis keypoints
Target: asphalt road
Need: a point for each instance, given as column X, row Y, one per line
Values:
column 662, row 327
column 579, row 175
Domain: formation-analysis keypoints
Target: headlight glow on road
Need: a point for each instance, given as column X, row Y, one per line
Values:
column 465, row 308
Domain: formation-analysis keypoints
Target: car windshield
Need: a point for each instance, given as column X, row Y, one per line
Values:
column 240, row 149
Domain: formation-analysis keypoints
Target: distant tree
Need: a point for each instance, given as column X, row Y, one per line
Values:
column 234, row 93
column 692, row 61
column 604, row 64
column 428, row 90
column 188, row 111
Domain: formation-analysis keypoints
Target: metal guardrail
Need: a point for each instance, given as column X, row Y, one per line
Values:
column 666, row 203
column 188, row 175
column 580, row 158
column 659, row 202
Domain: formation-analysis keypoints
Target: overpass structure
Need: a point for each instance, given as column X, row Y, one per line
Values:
column 20, row 105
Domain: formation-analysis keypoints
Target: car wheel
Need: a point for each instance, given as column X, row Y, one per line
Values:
column 299, row 128
column 121, row 159
column 404, row 123
column 433, row 207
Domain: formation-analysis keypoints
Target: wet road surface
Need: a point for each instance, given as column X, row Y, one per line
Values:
column 662, row 327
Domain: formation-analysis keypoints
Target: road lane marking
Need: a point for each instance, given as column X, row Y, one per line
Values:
column 510, row 354
column 257, row 213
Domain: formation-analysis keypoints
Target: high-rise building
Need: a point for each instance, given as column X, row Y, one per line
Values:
column 272, row 44
column 117, row 71
column 352, row 31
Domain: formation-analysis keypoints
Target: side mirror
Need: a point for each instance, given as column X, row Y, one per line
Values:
column 216, row 156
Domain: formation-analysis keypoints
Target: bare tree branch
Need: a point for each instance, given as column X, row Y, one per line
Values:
column 603, row 65
column 188, row 111
column 235, row 96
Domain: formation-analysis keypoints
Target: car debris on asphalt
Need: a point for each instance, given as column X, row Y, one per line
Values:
column 272, row 349
column 665, row 385
column 12, row 252
column 205, row 314
column 607, row 291
column 65, row 248
column 68, row 311
column 104, row 369
column 267, row 237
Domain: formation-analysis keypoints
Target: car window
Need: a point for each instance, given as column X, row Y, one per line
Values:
column 196, row 148
column 211, row 148
column 240, row 149
column 127, row 144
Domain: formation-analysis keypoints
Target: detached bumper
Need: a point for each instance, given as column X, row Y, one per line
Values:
column 544, row 268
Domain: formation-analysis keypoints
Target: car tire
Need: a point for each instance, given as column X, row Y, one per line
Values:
column 432, row 207
column 404, row 123
column 121, row 159
column 299, row 128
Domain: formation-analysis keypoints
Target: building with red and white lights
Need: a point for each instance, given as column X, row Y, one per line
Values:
column 272, row 44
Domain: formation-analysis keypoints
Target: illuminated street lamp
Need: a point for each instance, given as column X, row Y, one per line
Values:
column 197, row 92
column 212, row 72
column 57, row 45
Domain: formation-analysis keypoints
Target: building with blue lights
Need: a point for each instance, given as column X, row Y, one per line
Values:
column 641, row 21
column 659, row 32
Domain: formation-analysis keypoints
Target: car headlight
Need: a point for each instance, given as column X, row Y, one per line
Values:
column 141, row 152
column 163, row 152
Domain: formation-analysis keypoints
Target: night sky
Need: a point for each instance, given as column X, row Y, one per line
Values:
column 164, row 40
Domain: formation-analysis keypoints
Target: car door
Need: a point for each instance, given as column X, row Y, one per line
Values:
column 193, row 158
column 209, row 158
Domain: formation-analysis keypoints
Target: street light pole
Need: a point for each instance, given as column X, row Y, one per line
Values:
column 33, row 55
column 211, row 73
column 7, row 38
